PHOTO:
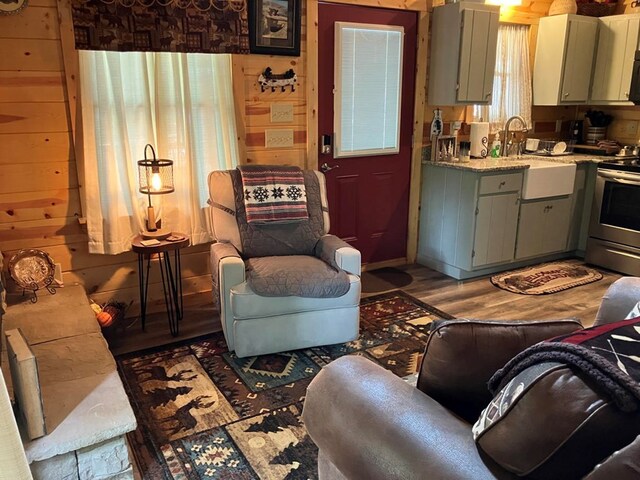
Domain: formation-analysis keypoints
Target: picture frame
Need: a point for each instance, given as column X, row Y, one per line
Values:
column 274, row 27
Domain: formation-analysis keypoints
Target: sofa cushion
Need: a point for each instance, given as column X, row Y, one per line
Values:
column 565, row 404
column 461, row 355
column 246, row 304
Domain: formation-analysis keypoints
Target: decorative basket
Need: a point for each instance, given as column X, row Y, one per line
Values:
column 560, row 7
column 596, row 9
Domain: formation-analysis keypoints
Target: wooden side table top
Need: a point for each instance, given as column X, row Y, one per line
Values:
column 164, row 246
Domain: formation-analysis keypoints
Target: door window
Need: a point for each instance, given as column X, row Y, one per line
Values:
column 368, row 88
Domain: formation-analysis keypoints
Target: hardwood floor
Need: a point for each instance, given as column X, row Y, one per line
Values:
column 476, row 298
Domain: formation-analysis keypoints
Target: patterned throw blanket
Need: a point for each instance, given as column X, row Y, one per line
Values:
column 608, row 354
column 274, row 194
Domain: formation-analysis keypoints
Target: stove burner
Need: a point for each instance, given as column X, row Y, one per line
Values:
column 631, row 164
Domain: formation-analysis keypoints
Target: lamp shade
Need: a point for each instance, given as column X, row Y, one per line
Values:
column 155, row 176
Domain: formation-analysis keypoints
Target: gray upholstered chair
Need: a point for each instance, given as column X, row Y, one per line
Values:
column 247, row 256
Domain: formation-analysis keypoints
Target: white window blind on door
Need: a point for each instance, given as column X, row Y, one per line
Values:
column 368, row 88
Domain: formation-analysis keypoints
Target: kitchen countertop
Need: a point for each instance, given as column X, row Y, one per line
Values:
column 518, row 163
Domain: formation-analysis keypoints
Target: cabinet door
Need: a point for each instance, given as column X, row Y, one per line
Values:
column 496, row 225
column 556, row 225
column 578, row 60
column 543, row 227
column 477, row 55
column 617, row 43
column 531, row 229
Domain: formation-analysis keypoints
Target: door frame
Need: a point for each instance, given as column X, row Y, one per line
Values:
column 422, row 7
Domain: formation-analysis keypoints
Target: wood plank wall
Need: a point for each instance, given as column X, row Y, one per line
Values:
column 39, row 197
column 257, row 106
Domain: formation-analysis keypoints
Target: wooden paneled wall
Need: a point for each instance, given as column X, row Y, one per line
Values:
column 256, row 116
column 39, row 197
column 39, row 186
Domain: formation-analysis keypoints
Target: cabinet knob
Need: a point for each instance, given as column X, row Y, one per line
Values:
column 566, row 94
column 502, row 184
column 626, row 94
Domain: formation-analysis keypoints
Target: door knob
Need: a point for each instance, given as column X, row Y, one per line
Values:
column 325, row 167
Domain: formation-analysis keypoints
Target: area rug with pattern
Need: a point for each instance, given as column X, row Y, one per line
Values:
column 546, row 278
column 203, row 413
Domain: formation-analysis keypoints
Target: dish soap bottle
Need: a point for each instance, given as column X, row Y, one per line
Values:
column 495, row 146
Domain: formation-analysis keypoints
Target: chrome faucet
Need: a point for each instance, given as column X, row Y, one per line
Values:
column 504, row 152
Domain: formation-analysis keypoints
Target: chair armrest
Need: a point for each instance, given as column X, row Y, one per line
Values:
column 618, row 300
column 371, row 424
column 338, row 253
column 227, row 271
column 461, row 356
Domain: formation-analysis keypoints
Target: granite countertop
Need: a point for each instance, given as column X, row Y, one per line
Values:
column 518, row 163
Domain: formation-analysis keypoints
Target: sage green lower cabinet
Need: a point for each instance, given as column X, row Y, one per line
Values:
column 475, row 223
column 543, row 227
column 468, row 220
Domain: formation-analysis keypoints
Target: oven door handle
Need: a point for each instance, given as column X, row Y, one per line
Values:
column 620, row 177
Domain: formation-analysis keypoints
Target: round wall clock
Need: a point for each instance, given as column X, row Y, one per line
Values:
column 8, row 7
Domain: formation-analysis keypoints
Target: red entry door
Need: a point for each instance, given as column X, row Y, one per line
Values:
column 368, row 195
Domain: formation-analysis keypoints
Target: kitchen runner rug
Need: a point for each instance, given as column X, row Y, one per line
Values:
column 546, row 278
column 203, row 413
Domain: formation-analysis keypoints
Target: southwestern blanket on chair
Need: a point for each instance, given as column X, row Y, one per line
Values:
column 274, row 194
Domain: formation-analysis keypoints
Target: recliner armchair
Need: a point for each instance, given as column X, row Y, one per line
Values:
column 257, row 324
column 370, row 424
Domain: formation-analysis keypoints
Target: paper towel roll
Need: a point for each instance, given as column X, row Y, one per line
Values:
column 479, row 138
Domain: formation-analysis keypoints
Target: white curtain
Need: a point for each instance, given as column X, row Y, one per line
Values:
column 182, row 104
column 512, row 80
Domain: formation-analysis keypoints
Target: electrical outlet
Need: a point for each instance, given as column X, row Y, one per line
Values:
column 278, row 138
column 57, row 275
column 281, row 113
column 631, row 128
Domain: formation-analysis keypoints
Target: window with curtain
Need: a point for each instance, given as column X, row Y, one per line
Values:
column 182, row 104
column 512, row 80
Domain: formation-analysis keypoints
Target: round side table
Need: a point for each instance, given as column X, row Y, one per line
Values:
column 171, row 276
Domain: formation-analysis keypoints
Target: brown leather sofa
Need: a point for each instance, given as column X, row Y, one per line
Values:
column 370, row 424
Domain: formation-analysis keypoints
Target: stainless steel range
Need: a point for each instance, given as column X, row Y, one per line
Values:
column 614, row 230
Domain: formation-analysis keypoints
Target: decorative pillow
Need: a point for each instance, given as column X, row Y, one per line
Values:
column 634, row 313
column 561, row 406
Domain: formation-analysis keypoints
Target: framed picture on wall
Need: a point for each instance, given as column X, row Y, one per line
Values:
column 274, row 27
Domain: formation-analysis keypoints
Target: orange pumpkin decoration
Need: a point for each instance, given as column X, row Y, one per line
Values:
column 104, row 318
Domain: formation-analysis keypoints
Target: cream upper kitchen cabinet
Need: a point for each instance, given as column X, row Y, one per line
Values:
column 564, row 59
column 464, row 38
column 617, row 44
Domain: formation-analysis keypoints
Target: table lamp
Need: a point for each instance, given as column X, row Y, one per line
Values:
column 155, row 177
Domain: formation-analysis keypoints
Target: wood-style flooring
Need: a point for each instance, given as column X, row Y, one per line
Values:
column 476, row 298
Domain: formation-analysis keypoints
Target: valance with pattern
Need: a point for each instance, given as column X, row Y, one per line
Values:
column 201, row 26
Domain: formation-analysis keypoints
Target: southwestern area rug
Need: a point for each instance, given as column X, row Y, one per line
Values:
column 546, row 278
column 203, row 413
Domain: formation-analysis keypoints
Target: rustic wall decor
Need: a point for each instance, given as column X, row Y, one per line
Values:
column 198, row 26
column 275, row 27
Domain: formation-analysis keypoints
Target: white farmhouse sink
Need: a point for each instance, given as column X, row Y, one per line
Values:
column 548, row 179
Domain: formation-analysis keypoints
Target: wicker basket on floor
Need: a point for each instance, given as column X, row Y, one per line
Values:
column 594, row 9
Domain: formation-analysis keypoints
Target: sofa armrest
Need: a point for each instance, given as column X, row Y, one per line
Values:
column 461, row 356
column 621, row 465
column 338, row 253
column 227, row 271
column 618, row 300
column 371, row 424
